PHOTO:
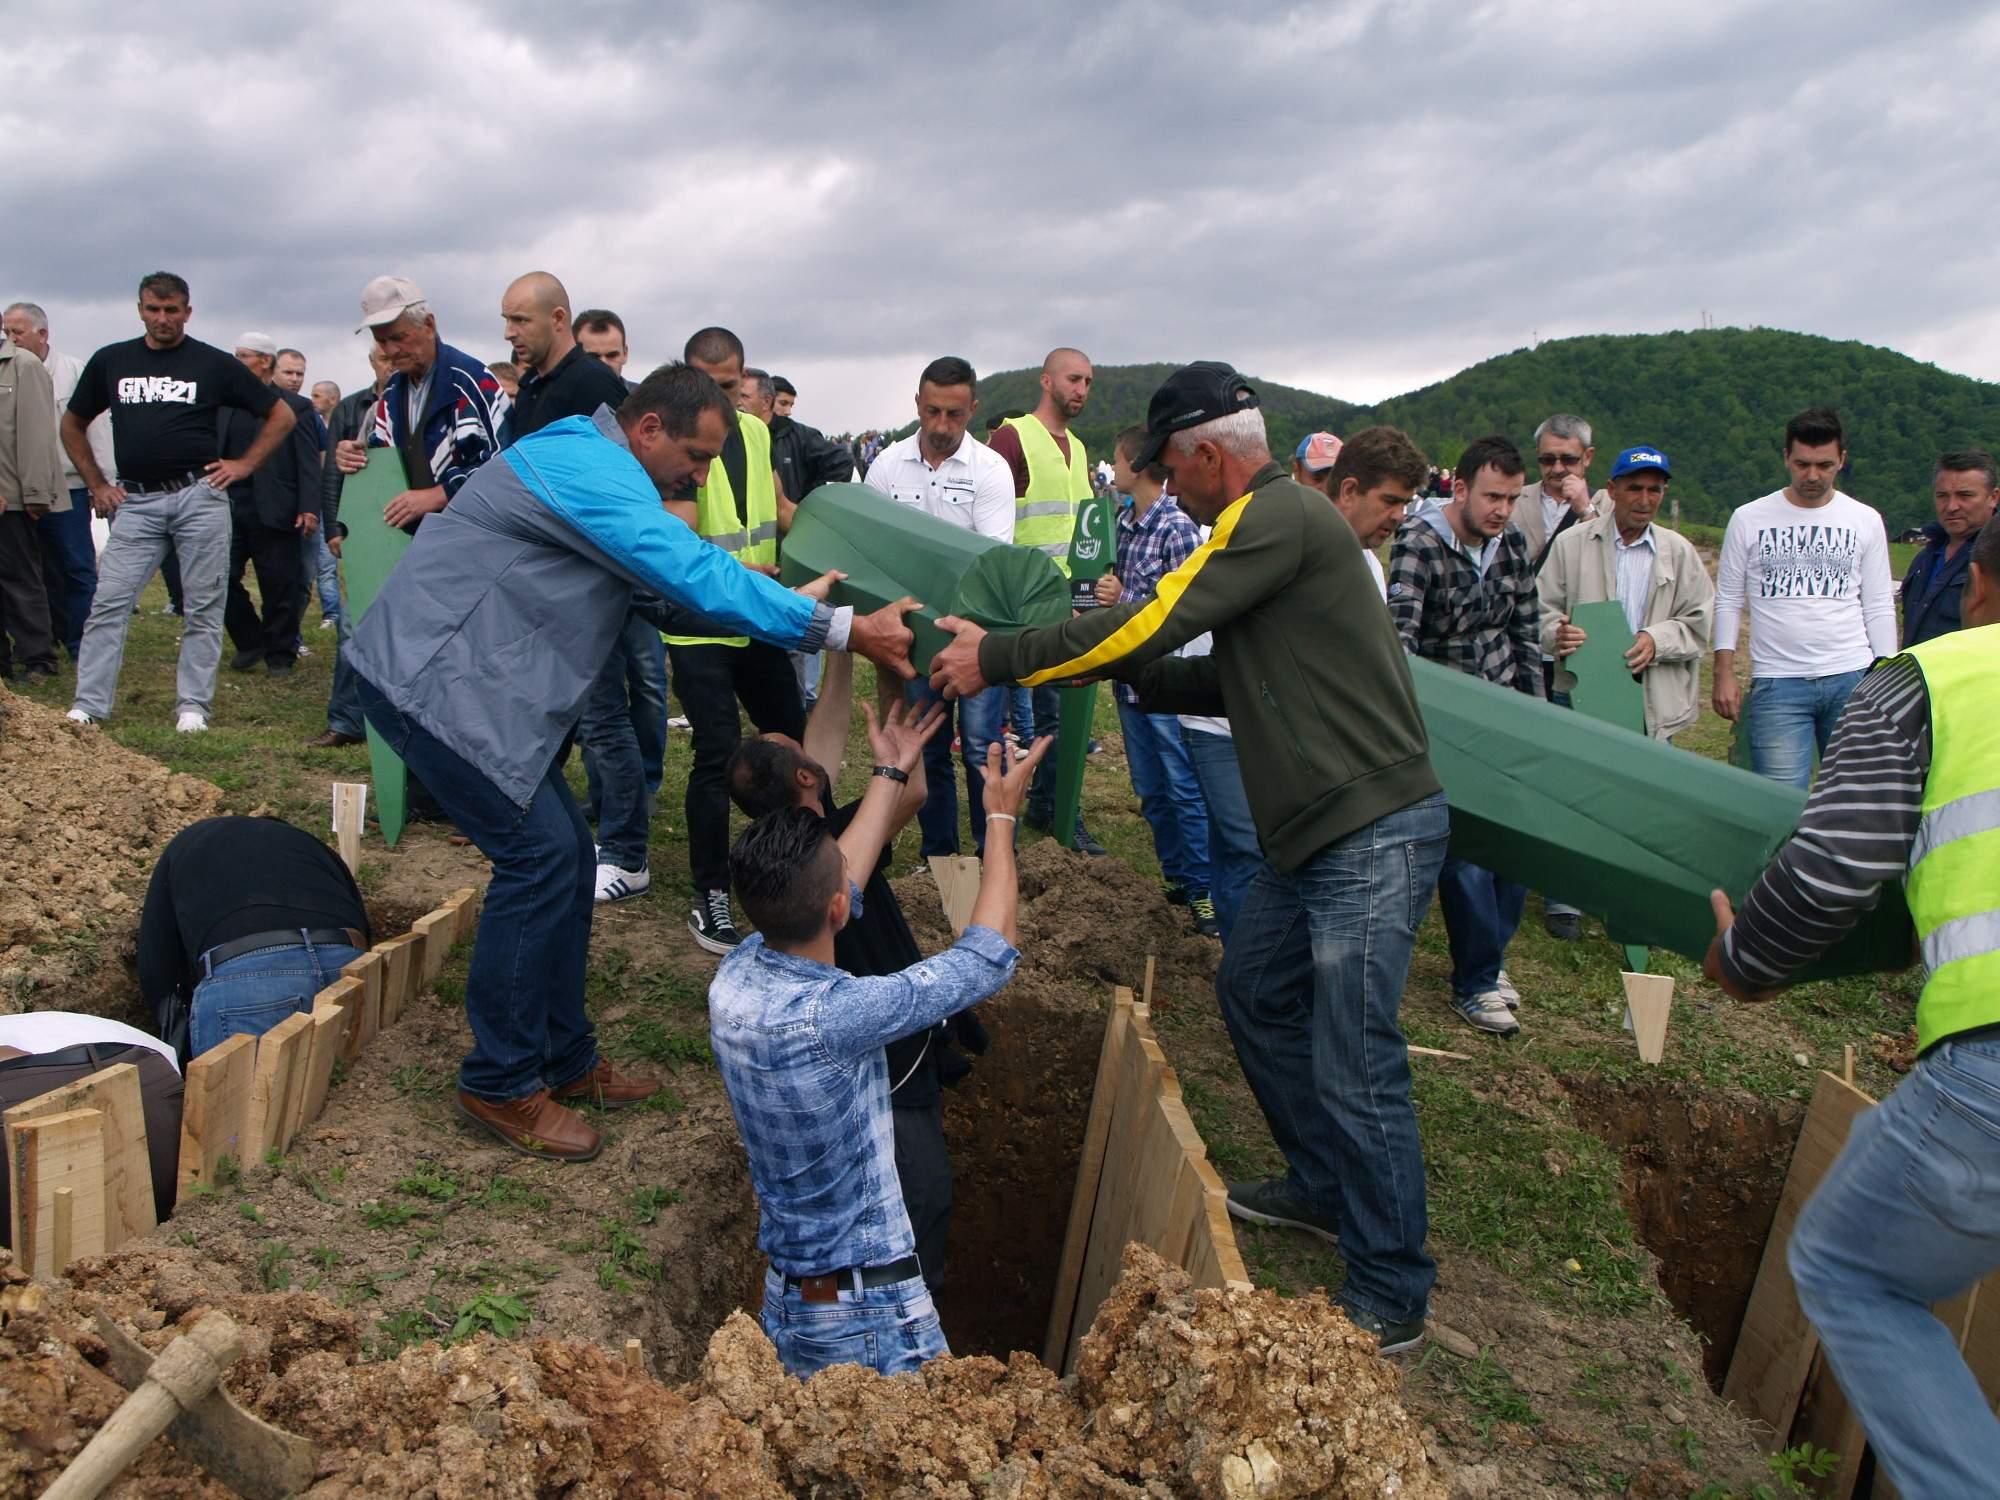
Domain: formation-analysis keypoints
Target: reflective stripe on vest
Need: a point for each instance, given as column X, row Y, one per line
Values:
column 1954, row 877
column 717, row 520
column 1045, row 517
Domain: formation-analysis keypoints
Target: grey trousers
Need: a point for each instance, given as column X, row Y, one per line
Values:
column 196, row 520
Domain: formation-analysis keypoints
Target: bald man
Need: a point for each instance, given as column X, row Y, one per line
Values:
column 557, row 378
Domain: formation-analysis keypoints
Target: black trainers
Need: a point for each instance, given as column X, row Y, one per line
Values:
column 247, row 661
column 711, row 923
column 1085, row 844
column 1177, row 895
column 1205, row 922
column 1272, row 1203
column 1039, row 819
column 1564, row 926
column 1395, row 1338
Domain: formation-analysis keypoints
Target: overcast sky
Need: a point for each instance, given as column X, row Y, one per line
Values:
column 1357, row 198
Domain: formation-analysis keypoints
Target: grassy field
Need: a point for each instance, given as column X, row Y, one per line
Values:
column 1518, row 1183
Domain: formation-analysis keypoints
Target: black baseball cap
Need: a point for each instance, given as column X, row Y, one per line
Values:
column 1193, row 394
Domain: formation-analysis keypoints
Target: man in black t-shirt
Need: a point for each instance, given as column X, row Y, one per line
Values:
column 246, row 919
column 166, row 393
column 774, row 771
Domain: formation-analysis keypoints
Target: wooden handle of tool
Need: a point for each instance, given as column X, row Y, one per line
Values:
column 187, row 1371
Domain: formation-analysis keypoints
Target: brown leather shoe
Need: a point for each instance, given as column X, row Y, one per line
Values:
column 535, row 1126
column 607, row 1088
column 333, row 739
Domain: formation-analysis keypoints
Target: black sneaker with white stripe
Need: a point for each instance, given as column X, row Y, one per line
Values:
column 711, row 923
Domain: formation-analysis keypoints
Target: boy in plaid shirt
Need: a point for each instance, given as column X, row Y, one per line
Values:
column 1462, row 592
column 1155, row 536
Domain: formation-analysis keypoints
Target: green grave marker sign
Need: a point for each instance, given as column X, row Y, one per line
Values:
column 368, row 556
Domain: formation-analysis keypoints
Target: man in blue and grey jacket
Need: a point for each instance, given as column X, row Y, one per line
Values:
column 473, row 664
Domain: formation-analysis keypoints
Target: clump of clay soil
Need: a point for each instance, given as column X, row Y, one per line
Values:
column 1015, row 1125
column 1180, row 1392
column 82, row 820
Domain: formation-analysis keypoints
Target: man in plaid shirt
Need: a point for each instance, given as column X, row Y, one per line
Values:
column 1155, row 536
column 1462, row 592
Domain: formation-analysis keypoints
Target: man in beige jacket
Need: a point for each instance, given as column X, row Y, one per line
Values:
column 1654, row 573
column 30, row 485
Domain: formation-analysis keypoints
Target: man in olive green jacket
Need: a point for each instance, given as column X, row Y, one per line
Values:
column 1335, row 760
column 30, row 487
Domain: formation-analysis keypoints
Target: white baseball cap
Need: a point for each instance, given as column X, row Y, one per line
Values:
column 386, row 299
column 257, row 343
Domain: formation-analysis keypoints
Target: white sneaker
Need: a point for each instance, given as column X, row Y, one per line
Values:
column 1487, row 1012
column 326, row 624
column 614, row 884
column 678, row 722
column 1504, row 987
column 78, row 716
column 191, row 722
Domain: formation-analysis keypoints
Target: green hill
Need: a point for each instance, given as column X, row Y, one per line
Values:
column 1716, row 400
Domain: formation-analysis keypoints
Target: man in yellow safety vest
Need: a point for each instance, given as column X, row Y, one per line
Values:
column 1909, row 1215
column 742, row 509
column 1051, row 476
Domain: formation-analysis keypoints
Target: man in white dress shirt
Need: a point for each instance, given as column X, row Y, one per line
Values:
column 943, row 471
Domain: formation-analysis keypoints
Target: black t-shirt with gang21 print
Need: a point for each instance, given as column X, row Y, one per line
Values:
column 163, row 404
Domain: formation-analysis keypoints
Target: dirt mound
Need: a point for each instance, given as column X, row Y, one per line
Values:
column 82, row 820
column 1179, row 1393
column 1015, row 1126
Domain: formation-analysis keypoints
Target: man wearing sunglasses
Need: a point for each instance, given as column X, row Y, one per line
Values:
column 1557, row 502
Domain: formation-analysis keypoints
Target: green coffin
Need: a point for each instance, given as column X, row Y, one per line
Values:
column 1630, row 829
column 370, row 553
column 888, row 550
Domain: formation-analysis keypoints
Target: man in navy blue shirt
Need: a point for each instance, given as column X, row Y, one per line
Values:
column 1965, row 490
column 800, row 1046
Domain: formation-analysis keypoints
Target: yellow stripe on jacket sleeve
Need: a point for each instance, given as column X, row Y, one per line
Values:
column 1146, row 621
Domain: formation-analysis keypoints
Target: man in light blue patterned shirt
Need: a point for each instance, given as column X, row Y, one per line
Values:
column 799, row 1044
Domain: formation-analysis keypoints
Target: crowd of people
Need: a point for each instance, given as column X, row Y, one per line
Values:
column 584, row 544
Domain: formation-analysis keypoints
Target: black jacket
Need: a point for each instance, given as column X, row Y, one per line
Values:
column 287, row 484
column 806, row 458
column 350, row 420
column 1933, row 588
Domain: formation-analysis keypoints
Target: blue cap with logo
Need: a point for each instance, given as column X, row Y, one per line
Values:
column 1632, row 460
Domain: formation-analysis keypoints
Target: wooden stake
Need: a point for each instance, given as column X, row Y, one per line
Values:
column 635, row 1356
column 215, row 1112
column 1089, row 1177
column 1146, row 993
column 1847, row 1064
column 65, row 1228
column 437, row 929
column 114, row 1093
column 281, row 1054
column 350, row 808
column 1650, row 998
column 400, row 961
column 1439, row 1052
column 350, row 996
column 63, row 1150
column 328, row 1030
column 368, row 971
column 957, row 877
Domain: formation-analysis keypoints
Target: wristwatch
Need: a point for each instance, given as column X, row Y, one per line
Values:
column 893, row 773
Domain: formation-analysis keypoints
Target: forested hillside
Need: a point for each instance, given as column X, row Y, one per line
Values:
column 1716, row 400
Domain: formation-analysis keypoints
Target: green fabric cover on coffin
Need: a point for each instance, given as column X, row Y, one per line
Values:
column 888, row 550
column 1630, row 829
column 368, row 556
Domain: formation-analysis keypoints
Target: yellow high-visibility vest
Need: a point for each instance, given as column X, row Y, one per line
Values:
column 1953, row 884
column 751, row 537
column 1045, row 517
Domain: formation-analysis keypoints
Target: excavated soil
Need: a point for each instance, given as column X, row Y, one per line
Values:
column 81, row 821
column 1703, row 1173
column 1178, row 1392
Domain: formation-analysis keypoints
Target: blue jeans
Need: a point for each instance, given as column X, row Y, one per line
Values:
column 1787, row 718
column 646, row 687
column 1481, row 912
column 323, row 569
column 1310, row 992
column 1909, row 1215
column 807, row 665
column 1047, row 703
column 608, row 735
column 524, row 992
column 891, row 1329
column 249, row 995
column 977, row 722
column 343, row 705
column 69, row 568
column 1169, row 795
column 1235, row 854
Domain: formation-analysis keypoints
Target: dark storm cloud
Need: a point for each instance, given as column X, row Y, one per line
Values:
column 1358, row 197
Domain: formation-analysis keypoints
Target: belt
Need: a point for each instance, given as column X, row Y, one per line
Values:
column 828, row 1287
column 167, row 486
column 295, row 937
